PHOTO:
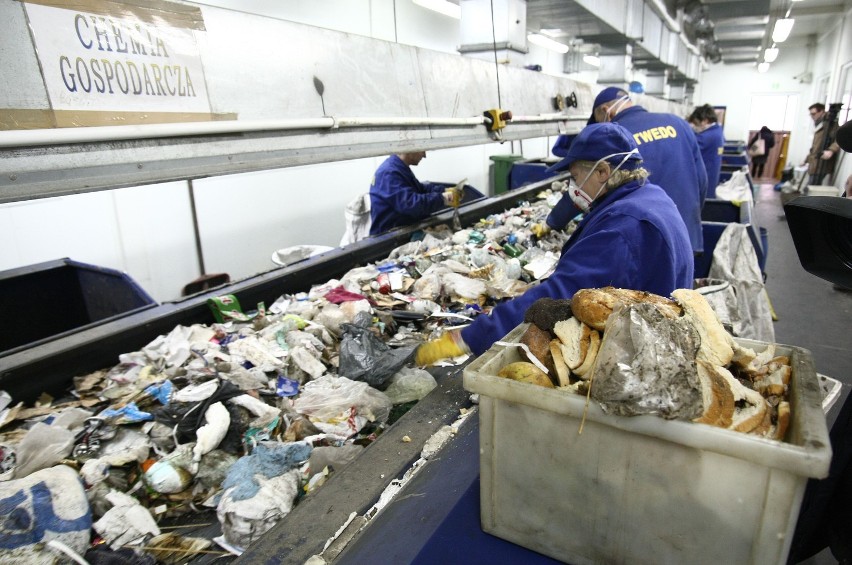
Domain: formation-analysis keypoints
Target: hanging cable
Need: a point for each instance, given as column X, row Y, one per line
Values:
column 496, row 64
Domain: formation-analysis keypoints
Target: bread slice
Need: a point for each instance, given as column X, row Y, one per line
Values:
column 750, row 407
column 783, row 420
column 575, row 337
column 716, row 344
column 593, row 306
column 563, row 373
column 743, row 356
column 589, row 360
column 717, row 397
column 775, row 383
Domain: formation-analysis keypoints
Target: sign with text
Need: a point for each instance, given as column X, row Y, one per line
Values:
column 108, row 56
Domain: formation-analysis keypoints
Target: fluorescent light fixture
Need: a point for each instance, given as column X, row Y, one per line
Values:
column 592, row 60
column 442, row 7
column 763, row 67
column 547, row 43
column 770, row 54
column 782, row 29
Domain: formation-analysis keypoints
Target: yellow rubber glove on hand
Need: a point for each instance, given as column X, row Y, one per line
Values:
column 540, row 230
column 450, row 344
column 453, row 197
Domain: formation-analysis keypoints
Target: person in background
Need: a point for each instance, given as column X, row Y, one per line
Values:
column 669, row 150
column 758, row 149
column 397, row 198
column 711, row 143
column 817, row 155
column 632, row 236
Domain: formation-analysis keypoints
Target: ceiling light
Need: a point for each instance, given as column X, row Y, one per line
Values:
column 442, row 7
column 770, row 54
column 592, row 60
column 782, row 29
column 763, row 67
column 547, row 43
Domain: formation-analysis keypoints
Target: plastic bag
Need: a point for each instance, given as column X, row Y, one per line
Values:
column 646, row 365
column 245, row 521
column 47, row 505
column 410, row 384
column 364, row 357
column 42, row 447
column 722, row 298
column 736, row 188
column 341, row 406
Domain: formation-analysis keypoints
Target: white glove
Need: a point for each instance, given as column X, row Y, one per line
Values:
column 559, row 185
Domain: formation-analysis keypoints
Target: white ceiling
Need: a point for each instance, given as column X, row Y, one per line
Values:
column 737, row 30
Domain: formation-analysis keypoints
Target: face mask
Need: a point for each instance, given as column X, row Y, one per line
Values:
column 612, row 111
column 583, row 201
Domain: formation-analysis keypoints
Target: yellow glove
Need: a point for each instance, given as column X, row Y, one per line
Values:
column 540, row 230
column 453, row 197
column 450, row 344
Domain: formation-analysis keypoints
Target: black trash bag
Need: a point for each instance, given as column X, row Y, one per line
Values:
column 189, row 416
column 365, row 357
column 102, row 554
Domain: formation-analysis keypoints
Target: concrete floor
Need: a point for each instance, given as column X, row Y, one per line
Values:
column 811, row 313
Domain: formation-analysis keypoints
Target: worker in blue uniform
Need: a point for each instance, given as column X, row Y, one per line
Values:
column 711, row 142
column 670, row 153
column 397, row 198
column 630, row 237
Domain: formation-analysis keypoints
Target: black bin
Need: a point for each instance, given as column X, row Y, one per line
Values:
column 49, row 299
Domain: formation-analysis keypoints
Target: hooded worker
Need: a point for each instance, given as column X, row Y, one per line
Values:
column 631, row 237
column 670, row 151
column 397, row 198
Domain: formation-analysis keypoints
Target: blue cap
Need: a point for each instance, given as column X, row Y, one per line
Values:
column 597, row 141
column 608, row 94
column 563, row 142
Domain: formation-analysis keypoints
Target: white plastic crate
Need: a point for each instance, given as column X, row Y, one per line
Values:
column 640, row 489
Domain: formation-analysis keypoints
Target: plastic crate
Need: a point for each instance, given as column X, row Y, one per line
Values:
column 51, row 299
column 642, row 489
column 528, row 172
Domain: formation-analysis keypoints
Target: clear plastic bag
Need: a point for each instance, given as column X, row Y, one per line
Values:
column 342, row 406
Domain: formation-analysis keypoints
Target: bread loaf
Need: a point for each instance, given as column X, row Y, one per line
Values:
column 538, row 342
column 593, row 306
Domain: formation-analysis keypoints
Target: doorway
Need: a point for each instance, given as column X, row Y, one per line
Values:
column 778, row 113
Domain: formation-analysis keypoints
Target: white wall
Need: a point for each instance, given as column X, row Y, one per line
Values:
column 734, row 85
column 147, row 231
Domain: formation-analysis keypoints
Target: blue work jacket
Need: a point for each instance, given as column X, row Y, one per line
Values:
column 711, row 142
column 397, row 198
column 633, row 237
column 670, row 153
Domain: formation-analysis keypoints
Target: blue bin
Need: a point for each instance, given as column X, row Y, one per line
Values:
column 713, row 231
column 528, row 172
column 54, row 298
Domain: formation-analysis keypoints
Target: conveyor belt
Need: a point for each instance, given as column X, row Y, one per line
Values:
column 50, row 367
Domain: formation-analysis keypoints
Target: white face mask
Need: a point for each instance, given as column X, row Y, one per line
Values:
column 583, row 201
column 612, row 111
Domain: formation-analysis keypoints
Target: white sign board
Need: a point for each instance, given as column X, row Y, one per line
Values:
column 116, row 61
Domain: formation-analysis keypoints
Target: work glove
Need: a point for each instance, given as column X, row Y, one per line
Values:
column 450, row 344
column 559, row 186
column 540, row 230
column 453, row 197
